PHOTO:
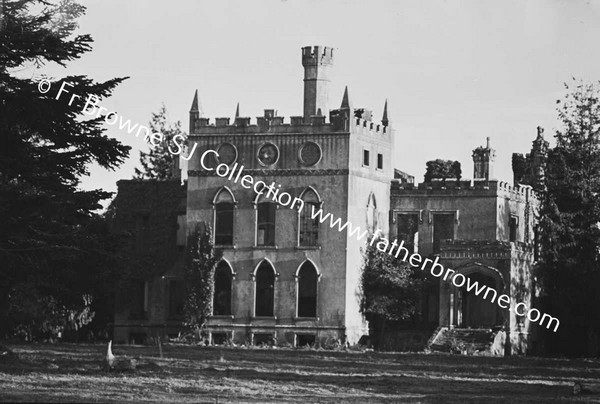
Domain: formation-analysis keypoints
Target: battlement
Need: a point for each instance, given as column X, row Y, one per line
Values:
column 271, row 123
column 365, row 126
column 465, row 187
column 317, row 55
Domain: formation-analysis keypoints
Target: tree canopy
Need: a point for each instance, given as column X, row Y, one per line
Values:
column 443, row 169
column 569, row 233
column 159, row 162
column 52, row 246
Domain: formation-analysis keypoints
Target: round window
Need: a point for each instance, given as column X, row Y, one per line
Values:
column 227, row 153
column 268, row 154
column 310, row 153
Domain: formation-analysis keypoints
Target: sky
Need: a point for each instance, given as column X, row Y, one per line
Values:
column 453, row 72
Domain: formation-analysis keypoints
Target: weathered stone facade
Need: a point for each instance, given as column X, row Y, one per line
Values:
column 285, row 278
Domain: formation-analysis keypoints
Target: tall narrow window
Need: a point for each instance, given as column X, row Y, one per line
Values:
column 379, row 161
column 176, row 298
column 222, row 295
column 408, row 230
column 513, row 225
column 309, row 227
column 224, row 204
column 443, row 229
column 265, row 226
column 365, row 158
column 265, row 290
column 307, row 290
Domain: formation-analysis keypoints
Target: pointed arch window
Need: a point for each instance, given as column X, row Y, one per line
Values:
column 264, row 290
column 308, row 228
column 307, row 290
column 224, row 204
column 222, row 294
column 372, row 222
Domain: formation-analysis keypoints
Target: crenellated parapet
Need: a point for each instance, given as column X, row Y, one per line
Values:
column 465, row 187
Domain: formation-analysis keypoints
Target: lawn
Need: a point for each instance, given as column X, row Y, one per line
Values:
column 71, row 373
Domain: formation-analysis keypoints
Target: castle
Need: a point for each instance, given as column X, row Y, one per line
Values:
column 284, row 277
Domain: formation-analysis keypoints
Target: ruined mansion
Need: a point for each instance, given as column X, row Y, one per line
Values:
column 285, row 278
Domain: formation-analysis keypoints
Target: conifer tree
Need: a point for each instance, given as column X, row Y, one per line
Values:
column 199, row 277
column 52, row 249
column 569, row 234
column 159, row 162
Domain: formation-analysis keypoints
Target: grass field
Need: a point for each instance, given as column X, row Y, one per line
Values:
column 71, row 373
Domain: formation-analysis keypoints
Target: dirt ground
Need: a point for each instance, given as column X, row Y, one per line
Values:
column 71, row 373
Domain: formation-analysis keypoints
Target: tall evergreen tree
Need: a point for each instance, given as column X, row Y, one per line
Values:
column 569, row 266
column 51, row 246
column 159, row 162
column 199, row 277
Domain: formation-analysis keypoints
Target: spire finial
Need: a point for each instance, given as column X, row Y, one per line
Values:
column 487, row 142
column 345, row 100
column 384, row 120
column 195, row 107
column 237, row 111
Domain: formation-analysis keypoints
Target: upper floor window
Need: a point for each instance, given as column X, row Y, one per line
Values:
column 224, row 203
column 513, row 225
column 443, row 229
column 407, row 230
column 265, row 223
column 366, row 158
column 379, row 161
column 308, row 234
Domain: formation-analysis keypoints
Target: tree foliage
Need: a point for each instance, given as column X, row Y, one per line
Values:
column 159, row 162
column 51, row 244
column 569, row 266
column 443, row 169
column 199, row 277
column 389, row 289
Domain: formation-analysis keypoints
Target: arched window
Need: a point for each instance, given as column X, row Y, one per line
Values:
column 372, row 214
column 222, row 295
column 265, row 223
column 224, row 203
column 307, row 290
column 308, row 234
column 265, row 290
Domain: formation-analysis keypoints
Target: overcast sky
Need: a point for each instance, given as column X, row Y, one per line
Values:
column 454, row 72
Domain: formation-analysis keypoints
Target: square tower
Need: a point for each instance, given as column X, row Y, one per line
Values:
column 265, row 187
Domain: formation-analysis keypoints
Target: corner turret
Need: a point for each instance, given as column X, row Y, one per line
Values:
column 317, row 61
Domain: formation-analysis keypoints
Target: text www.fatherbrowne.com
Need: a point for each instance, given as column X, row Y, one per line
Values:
column 381, row 243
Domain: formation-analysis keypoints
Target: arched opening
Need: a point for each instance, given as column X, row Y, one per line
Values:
column 475, row 311
column 222, row 295
column 265, row 290
column 372, row 214
column 265, row 224
column 308, row 235
column 224, row 203
column 307, row 290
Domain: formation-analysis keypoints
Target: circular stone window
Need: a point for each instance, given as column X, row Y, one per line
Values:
column 268, row 154
column 227, row 153
column 310, row 153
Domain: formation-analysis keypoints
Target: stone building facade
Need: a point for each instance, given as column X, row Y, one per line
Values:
column 286, row 278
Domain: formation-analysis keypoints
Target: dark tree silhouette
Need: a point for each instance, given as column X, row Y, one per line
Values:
column 52, row 249
column 569, row 266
